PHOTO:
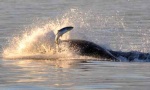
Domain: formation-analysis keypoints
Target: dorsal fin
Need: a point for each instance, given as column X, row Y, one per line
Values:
column 61, row 32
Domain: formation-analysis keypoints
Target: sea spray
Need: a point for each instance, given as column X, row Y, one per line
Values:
column 39, row 41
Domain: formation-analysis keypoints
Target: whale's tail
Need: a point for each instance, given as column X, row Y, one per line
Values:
column 61, row 32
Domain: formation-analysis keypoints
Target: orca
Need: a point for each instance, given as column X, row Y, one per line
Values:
column 83, row 47
column 87, row 48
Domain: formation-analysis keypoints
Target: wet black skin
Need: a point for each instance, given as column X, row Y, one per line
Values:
column 87, row 48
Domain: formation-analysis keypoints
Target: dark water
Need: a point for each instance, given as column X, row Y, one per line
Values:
column 119, row 25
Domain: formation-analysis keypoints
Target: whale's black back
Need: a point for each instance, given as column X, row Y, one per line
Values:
column 87, row 48
column 132, row 55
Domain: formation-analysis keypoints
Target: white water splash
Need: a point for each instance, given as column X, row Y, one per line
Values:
column 38, row 42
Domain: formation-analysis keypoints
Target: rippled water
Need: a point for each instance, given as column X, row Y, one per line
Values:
column 119, row 25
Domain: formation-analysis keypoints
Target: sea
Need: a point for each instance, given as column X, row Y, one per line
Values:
column 28, row 61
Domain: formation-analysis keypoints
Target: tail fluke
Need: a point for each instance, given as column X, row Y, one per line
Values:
column 61, row 32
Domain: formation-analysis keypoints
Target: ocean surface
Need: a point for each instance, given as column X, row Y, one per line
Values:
column 27, row 62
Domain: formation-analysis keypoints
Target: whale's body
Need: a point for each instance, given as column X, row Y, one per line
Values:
column 87, row 48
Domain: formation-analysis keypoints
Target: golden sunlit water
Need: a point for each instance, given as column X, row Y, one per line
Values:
column 29, row 60
column 36, row 40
